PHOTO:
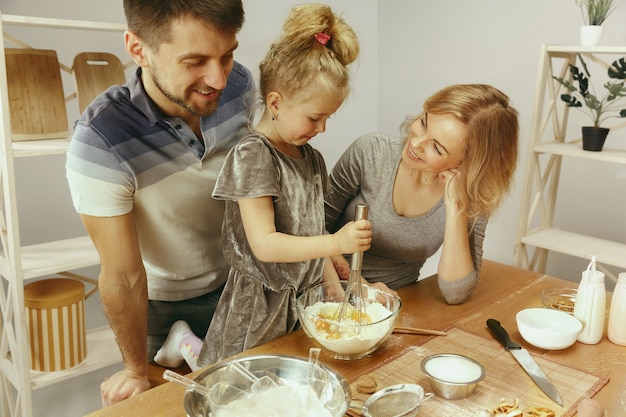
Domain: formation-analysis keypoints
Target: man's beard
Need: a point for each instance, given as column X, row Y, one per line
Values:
column 210, row 107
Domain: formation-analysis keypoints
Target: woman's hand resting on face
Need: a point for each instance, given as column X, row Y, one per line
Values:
column 454, row 194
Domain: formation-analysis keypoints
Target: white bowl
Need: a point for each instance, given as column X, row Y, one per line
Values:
column 547, row 328
column 346, row 339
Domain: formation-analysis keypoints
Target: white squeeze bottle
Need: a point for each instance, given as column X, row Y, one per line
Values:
column 590, row 304
column 617, row 315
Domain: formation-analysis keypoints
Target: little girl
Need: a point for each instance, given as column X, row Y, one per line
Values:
column 274, row 183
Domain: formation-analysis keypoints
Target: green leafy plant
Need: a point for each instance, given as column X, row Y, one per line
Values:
column 602, row 108
column 595, row 12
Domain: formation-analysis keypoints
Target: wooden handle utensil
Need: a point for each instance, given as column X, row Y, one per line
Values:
column 414, row 330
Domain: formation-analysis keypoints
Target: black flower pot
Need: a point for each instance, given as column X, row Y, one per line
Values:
column 594, row 137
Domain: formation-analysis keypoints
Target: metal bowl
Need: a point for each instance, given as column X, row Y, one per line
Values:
column 345, row 339
column 334, row 390
column 452, row 376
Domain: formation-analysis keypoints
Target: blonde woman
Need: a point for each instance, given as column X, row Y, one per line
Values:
column 436, row 187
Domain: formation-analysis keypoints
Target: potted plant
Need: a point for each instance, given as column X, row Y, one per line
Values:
column 580, row 92
column 594, row 13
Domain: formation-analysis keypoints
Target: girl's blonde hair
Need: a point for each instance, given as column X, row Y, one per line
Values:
column 311, row 55
column 491, row 146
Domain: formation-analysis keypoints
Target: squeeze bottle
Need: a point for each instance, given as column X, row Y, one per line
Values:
column 590, row 304
column 617, row 314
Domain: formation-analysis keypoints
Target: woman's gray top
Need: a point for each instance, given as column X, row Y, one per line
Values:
column 365, row 173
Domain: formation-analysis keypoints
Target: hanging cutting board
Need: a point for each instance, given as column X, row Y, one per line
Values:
column 93, row 73
column 36, row 97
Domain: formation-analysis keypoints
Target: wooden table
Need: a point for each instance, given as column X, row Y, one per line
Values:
column 502, row 291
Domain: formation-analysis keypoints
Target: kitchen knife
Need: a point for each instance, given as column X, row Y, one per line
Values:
column 525, row 360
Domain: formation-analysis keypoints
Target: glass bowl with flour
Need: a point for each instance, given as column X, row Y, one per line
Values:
column 360, row 331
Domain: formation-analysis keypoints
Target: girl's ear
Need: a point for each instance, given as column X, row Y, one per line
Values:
column 274, row 100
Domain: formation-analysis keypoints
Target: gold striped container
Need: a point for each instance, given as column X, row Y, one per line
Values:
column 55, row 314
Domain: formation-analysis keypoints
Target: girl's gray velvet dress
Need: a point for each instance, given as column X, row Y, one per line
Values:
column 258, row 302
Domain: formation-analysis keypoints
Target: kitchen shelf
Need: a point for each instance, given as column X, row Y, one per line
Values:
column 575, row 244
column 53, row 257
column 548, row 145
column 20, row 263
column 45, row 258
column 40, row 147
column 50, row 23
column 575, row 150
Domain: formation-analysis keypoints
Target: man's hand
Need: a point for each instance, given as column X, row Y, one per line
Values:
column 122, row 385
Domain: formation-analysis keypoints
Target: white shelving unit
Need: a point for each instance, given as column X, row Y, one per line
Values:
column 537, row 235
column 20, row 263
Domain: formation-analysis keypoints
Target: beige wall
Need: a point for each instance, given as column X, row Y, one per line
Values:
column 426, row 44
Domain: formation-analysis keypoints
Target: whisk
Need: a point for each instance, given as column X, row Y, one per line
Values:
column 354, row 281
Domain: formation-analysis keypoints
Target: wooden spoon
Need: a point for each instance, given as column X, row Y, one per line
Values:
column 414, row 330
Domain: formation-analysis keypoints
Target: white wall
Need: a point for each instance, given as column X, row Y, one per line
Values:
column 410, row 49
column 427, row 44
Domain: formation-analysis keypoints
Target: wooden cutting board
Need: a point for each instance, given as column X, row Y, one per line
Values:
column 504, row 379
column 36, row 97
column 93, row 73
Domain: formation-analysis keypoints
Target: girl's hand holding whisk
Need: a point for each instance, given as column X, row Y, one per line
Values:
column 354, row 236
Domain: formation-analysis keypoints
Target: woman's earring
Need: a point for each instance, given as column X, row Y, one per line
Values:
column 273, row 117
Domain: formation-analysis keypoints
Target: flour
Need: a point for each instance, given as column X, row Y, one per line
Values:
column 346, row 337
column 279, row 401
column 453, row 369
